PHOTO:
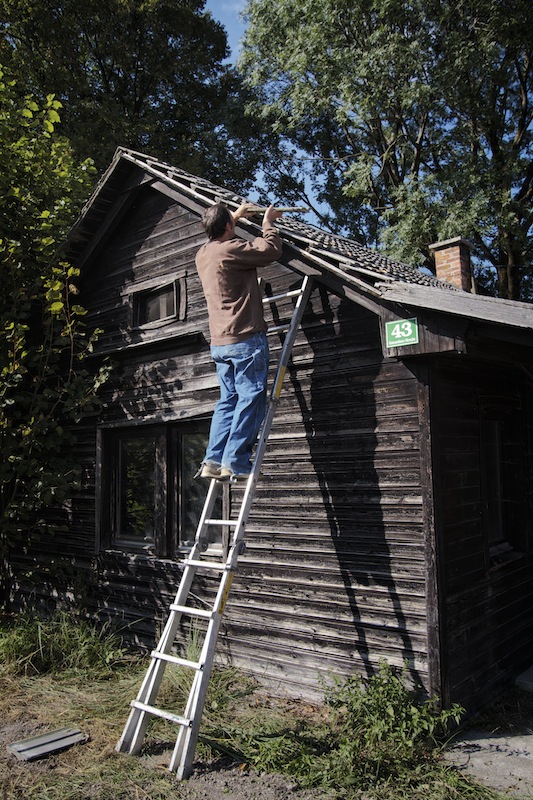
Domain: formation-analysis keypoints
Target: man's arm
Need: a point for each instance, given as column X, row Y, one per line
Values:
column 270, row 216
column 263, row 249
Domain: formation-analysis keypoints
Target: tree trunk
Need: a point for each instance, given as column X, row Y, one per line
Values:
column 509, row 269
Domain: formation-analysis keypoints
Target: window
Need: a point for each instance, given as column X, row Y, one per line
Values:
column 160, row 304
column 190, row 448
column 135, row 506
column 149, row 499
column 503, row 476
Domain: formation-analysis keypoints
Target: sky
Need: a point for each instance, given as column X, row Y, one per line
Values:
column 227, row 12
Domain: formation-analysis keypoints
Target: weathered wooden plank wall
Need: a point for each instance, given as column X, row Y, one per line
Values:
column 488, row 601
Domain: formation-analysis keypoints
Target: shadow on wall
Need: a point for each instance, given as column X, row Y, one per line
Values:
column 362, row 490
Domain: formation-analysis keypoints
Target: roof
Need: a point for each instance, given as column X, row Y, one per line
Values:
column 347, row 253
column 358, row 268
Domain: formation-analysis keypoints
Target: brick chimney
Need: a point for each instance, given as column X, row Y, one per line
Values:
column 452, row 262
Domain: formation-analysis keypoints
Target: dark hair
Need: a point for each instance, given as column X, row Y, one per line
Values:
column 215, row 220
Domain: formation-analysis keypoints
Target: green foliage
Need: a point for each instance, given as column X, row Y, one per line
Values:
column 374, row 735
column 61, row 645
column 45, row 387
column 150, row 76
column 380, row 722
column 411, row 120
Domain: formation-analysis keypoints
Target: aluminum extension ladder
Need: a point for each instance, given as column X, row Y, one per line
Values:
column 143, row 707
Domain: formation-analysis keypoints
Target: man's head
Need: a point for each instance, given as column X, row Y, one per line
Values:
column 216, row 220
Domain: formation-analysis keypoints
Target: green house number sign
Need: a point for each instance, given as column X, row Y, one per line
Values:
column 401, row 332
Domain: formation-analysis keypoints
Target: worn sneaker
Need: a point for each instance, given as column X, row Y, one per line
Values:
column 227, row 473
column 210, row 469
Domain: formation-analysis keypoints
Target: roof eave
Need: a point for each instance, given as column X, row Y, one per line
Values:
column 479, row 307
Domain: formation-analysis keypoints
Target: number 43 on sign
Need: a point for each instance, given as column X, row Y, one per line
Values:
column 401, row 332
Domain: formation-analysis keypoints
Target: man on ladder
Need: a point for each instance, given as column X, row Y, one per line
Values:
column 219, row 258
column 227, row 266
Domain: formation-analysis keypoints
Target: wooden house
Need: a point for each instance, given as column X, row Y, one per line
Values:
column 393, row 517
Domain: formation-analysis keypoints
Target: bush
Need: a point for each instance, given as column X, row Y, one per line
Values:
column 374, row 733
column 381, row 729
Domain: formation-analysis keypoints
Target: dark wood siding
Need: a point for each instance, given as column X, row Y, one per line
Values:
column 488, row 594
column 334, row 574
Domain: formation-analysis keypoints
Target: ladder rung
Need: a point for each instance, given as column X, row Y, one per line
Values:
column 191, row 611
column 221, row 522
column 278, row 328
column 181, row 662
column 193, row 562
column 159, row 712
column 293, row 293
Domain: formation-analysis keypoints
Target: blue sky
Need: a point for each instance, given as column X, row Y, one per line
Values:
column 227, row 12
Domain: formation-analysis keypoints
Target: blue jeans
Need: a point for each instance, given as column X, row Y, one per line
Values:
column 242, row 371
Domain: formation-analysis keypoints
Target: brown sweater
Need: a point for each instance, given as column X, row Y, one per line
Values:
column 229, row 280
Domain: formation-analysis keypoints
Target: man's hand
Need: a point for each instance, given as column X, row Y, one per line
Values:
column 244, row 210
column 271, row 214
column 250, row 209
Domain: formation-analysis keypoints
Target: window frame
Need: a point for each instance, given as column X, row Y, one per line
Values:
column 169, row 498
column 137, row 299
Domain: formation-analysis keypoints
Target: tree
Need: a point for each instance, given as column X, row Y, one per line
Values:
column 411, row 121
column 44, row 387
column 147, row 75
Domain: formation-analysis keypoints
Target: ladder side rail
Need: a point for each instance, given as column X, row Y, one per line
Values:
column 187, row 737
column 137, row 723
column 299, row 308
column 303, row 298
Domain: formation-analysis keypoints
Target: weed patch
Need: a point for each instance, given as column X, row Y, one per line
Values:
column 61, row 643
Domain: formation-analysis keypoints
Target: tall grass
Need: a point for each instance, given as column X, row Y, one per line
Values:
column 61, row 643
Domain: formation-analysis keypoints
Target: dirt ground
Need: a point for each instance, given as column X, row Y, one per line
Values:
column 498, row 754
column 220, row 780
